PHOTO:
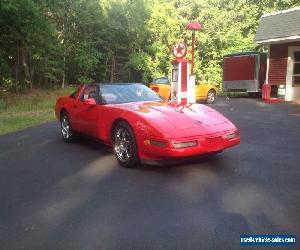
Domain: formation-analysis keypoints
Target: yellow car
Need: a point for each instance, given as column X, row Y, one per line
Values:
column 204, row 92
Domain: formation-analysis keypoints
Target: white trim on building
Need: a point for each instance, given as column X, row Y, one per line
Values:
column 292, row 92
column 268, row 65
column 281, row 12
column 280, row 39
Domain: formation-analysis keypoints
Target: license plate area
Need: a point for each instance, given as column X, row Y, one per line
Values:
column 214, row 143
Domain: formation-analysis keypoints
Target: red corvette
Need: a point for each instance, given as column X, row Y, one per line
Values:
column 140, row 126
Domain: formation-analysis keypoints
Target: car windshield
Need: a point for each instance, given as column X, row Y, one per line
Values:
column 162, row 80
column 124, row 93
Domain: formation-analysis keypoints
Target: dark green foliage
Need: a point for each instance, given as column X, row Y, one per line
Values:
column 47, row 43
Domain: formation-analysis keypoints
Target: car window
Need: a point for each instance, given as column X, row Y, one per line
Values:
column 73, row 94
column 125, row 93
column 162, row 80
column 90, row 91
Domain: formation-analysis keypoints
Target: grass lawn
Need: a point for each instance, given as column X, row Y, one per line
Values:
column 34, row 107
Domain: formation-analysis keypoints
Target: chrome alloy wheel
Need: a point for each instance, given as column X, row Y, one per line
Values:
column 65, row 127
column 211, row 97
column 123, row 144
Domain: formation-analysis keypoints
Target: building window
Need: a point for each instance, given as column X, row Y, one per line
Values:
column 296, row 69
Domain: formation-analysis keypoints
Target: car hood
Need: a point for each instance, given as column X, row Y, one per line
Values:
column 172, row 118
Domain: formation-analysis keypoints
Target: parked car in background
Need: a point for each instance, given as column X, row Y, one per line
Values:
column 204, row 91
column 162, row 86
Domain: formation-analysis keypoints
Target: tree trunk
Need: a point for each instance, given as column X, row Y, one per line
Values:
column 25, row 66
column 17, row 67
column 63, row 81
column 31, row 69
column 106, row 75
column 31, row 77
column 40, row 80
column 64, row 73
column 113, row 67
column 64, row 52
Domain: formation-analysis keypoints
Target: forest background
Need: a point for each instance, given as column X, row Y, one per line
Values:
column 47, row 43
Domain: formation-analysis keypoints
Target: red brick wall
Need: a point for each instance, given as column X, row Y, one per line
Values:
column 278, row 62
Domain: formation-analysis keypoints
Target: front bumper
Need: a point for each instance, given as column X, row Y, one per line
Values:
column 206, row 144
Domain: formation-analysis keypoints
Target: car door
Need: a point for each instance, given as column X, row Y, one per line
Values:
column 201, row 90
column 85, row 115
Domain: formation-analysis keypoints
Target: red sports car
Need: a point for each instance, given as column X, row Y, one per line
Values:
column 140, row 126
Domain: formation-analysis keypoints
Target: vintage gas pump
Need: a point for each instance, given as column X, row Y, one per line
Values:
column 182, row 85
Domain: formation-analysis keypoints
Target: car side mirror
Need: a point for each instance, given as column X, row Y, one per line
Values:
column 90, row 101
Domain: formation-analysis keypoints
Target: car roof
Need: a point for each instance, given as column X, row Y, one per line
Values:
column 113, row 83
column 162, row 77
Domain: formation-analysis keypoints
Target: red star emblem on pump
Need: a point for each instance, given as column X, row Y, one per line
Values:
column 175, row 93
column 180, row 50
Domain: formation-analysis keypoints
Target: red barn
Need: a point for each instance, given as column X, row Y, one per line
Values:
column 280, row 31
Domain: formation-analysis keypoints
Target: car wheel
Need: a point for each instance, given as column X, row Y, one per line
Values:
column 211, row 96
column 66, row 128
column 124, row 143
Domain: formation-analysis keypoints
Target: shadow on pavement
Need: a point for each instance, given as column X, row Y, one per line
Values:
column 75, row 196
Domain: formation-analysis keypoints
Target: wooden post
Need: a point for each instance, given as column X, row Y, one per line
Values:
column 193, row 53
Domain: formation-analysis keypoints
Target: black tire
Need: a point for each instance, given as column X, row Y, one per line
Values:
column 124, row 145
column 211, row 96
column 214, row 155
column 67, row 132
column 254, row 94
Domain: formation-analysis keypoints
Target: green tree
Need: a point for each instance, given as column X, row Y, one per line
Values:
column 49, row 43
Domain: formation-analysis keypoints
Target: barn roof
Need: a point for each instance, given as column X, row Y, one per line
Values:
column 279, row 26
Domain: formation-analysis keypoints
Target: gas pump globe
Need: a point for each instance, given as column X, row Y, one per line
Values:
column 182, row 84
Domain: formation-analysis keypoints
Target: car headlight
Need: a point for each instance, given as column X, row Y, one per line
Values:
column 185, row 144
column 232, row 135
column 155, row 143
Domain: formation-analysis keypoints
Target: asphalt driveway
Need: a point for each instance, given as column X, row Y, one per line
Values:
column 75, row 196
